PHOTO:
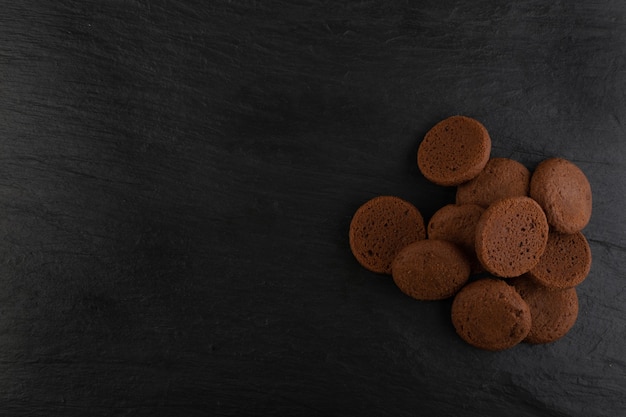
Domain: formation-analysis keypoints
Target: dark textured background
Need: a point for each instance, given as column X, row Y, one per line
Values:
column 177, row 179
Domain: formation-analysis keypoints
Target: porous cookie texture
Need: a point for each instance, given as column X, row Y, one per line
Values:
column 430, row 269
column 553, row 312
column 380, row 228
column 489, row 314
column 523, row 230
column 453, row 151
column 511, row 236
column 565, row 263
column 501, row 178
column 564, row 193
column 456, row 223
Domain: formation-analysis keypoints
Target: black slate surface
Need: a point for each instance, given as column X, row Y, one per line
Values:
column 177, row 179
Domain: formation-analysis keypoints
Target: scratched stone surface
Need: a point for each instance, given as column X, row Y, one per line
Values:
column 177, row 179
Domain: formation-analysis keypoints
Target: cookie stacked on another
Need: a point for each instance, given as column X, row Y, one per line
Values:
column 522, row 229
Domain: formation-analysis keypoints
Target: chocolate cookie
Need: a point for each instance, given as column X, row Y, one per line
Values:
column 457, row 224
column 565, row 263
column 553, row 312
column 491, row 315
column 564, row 193
column 455, row 150
column 430, row 269
column 501, row 178
column 380, row 228
column 511, row 236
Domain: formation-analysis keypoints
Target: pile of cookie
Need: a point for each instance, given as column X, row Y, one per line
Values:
column 510, row 250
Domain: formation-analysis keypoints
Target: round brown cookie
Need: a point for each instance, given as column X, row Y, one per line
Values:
column 380, row 228
column 457, row 224
column 430, row 269
column 511, row 236
column 564, row 193
column 553, row 312
column 455, row 150
column 565, row 263
column 501, row 178
column 491, row 315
